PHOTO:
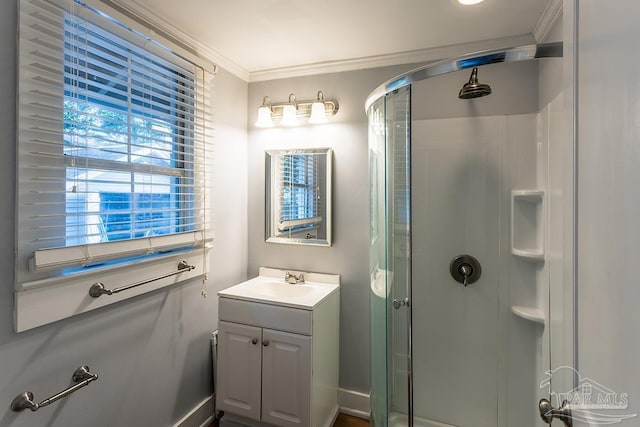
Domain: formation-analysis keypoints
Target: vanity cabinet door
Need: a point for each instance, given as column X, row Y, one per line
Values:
column 286, row 378
column 239, row 369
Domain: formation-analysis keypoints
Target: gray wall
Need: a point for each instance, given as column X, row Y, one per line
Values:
column 347, row 135
column 152, row 352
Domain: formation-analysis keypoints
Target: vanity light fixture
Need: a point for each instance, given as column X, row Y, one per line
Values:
column 264, row 114
column 289, row 113
column 469, row 2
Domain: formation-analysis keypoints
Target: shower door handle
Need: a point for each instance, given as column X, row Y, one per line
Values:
column 400, row 303
column 548, row 412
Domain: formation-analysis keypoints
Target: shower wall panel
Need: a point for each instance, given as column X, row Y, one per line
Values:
column 455, row 190
column 525, row 281
column 461, row 178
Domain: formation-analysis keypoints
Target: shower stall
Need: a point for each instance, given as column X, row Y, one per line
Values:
column 466, row 239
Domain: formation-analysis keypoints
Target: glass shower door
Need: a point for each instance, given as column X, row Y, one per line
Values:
column 390, row 259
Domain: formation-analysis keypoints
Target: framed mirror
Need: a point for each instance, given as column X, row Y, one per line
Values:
column 298, row 196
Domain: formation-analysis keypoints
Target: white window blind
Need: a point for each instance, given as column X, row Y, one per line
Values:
column 113, row 142
column 301, row 203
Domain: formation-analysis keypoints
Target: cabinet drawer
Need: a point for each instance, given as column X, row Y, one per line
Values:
column 266, row 315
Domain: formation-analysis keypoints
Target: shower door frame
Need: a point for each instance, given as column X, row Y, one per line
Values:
column 391, row 264
column 513, row 54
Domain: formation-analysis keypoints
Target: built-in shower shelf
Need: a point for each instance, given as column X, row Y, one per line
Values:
column 527, row 224
column 529, row 254
column 531, row 314
column 531, row 196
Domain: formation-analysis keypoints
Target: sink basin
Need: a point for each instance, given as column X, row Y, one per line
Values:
column 281, row 289
column 270, row 287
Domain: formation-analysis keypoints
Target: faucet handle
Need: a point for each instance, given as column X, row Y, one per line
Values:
column 293, row 279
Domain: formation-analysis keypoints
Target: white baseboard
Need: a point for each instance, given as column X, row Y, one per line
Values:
column 354, row 403
column 350, row 402
column 200, row 416
column 231, row 420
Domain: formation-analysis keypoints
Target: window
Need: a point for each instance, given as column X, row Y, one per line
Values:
column 128, row 139
column 112, row 146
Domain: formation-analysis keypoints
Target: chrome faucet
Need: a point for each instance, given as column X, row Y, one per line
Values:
column 294, row 279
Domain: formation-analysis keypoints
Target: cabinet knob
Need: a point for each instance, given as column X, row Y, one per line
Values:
column 254, row 341
column 265, row 343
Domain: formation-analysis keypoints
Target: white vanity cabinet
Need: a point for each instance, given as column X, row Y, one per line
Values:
column 265, row 375
column 239, row 371
column 286, row 378
column 277, row 356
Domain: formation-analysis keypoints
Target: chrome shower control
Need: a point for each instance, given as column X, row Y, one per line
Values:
column 465, row 269
column 397, row 303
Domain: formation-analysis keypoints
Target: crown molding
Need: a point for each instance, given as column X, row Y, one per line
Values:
column 409, row 57
column 549, row 17
column 150, row 19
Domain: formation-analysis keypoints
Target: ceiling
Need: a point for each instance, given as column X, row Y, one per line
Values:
column 259, row 35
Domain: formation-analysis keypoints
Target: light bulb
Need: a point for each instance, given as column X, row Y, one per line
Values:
column 264, row 117
column 290, row 113
column 318, row 112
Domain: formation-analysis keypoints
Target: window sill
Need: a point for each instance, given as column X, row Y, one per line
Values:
column 47, row 301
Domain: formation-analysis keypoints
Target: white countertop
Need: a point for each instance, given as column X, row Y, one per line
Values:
column 270, row 288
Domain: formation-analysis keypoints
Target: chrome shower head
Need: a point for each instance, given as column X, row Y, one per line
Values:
column 473, row 89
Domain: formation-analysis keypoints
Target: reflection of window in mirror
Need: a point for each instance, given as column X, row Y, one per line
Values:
column 300, row 207
column 298, row 196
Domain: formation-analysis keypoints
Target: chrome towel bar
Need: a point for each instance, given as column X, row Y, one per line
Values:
column 81, row 377
column 98, row 289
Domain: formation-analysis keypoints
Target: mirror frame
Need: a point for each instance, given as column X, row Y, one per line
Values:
column 271, row 199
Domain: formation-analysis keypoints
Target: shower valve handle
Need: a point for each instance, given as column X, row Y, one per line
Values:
column 465, row 270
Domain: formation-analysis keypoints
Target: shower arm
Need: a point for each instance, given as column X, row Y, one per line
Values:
column 513, row 54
